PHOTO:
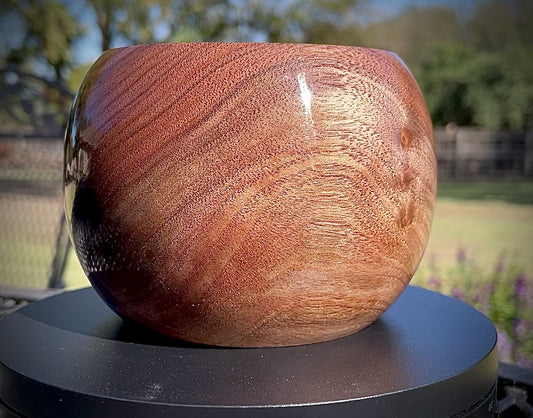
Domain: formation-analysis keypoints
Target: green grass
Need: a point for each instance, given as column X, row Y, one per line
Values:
column 485, row 230
column 74, row 275
column 510, row 192
column 487, row 220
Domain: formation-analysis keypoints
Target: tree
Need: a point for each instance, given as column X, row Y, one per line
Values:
column 131, row 21
column 500, row 25
column 38, row 74
column 414, row 32
column 473, row 71
column 35, row 61
column 484, row 78
column 500, row 89
column 314, row 21
column 442, row 78
column 48, row 32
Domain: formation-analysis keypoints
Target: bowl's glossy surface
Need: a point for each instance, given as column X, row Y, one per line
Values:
column 249, row 194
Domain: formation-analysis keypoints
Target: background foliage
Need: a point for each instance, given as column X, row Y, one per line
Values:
column 474, row 69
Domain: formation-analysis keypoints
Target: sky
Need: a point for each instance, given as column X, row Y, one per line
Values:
column 385, row 9
column 87, row 48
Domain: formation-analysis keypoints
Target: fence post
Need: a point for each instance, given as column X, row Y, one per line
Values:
column 451, row 130
column 62, row 247
column 528, row 155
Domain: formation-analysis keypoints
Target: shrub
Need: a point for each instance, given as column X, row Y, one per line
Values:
column 504, row 294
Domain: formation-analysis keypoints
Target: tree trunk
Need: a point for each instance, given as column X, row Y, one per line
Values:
column 103, row 17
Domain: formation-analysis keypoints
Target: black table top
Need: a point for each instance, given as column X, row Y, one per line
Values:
column 70, row 355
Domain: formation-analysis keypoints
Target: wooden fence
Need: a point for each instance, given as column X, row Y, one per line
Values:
column 472, row 153
column 462, row 153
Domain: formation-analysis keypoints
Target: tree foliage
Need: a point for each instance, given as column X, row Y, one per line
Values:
column 484, row 77
column 413, row 33
column 131, row 21
column 38, row 36
column 48, row 31
column 473, row 70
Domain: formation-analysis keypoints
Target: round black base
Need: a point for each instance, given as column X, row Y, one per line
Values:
column 71, row 356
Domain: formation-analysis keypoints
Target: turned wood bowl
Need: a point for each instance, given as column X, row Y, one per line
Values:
column 249, row 194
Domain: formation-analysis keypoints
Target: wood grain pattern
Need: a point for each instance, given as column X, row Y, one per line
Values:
column 249, row 194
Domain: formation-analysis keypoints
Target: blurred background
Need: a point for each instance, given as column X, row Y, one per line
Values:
column 472, row 59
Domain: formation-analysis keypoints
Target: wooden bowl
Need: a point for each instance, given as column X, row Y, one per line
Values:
column 249, row 194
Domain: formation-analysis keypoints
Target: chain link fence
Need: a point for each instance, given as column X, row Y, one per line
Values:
column 33, row 247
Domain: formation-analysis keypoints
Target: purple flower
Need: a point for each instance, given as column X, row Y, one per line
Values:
column 500, row 267
column 485, row 293
column 520, row 286
column 505, row 347
column 521, row 328
column 460, row 256
column 434, row 281
column 482, row 298
column 458, row 293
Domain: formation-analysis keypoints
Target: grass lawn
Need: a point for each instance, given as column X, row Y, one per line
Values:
column 486, row 220
column 519, row 193
column 74, row 275
column 484, row 230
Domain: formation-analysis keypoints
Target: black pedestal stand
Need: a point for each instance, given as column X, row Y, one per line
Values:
column 71, row 356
